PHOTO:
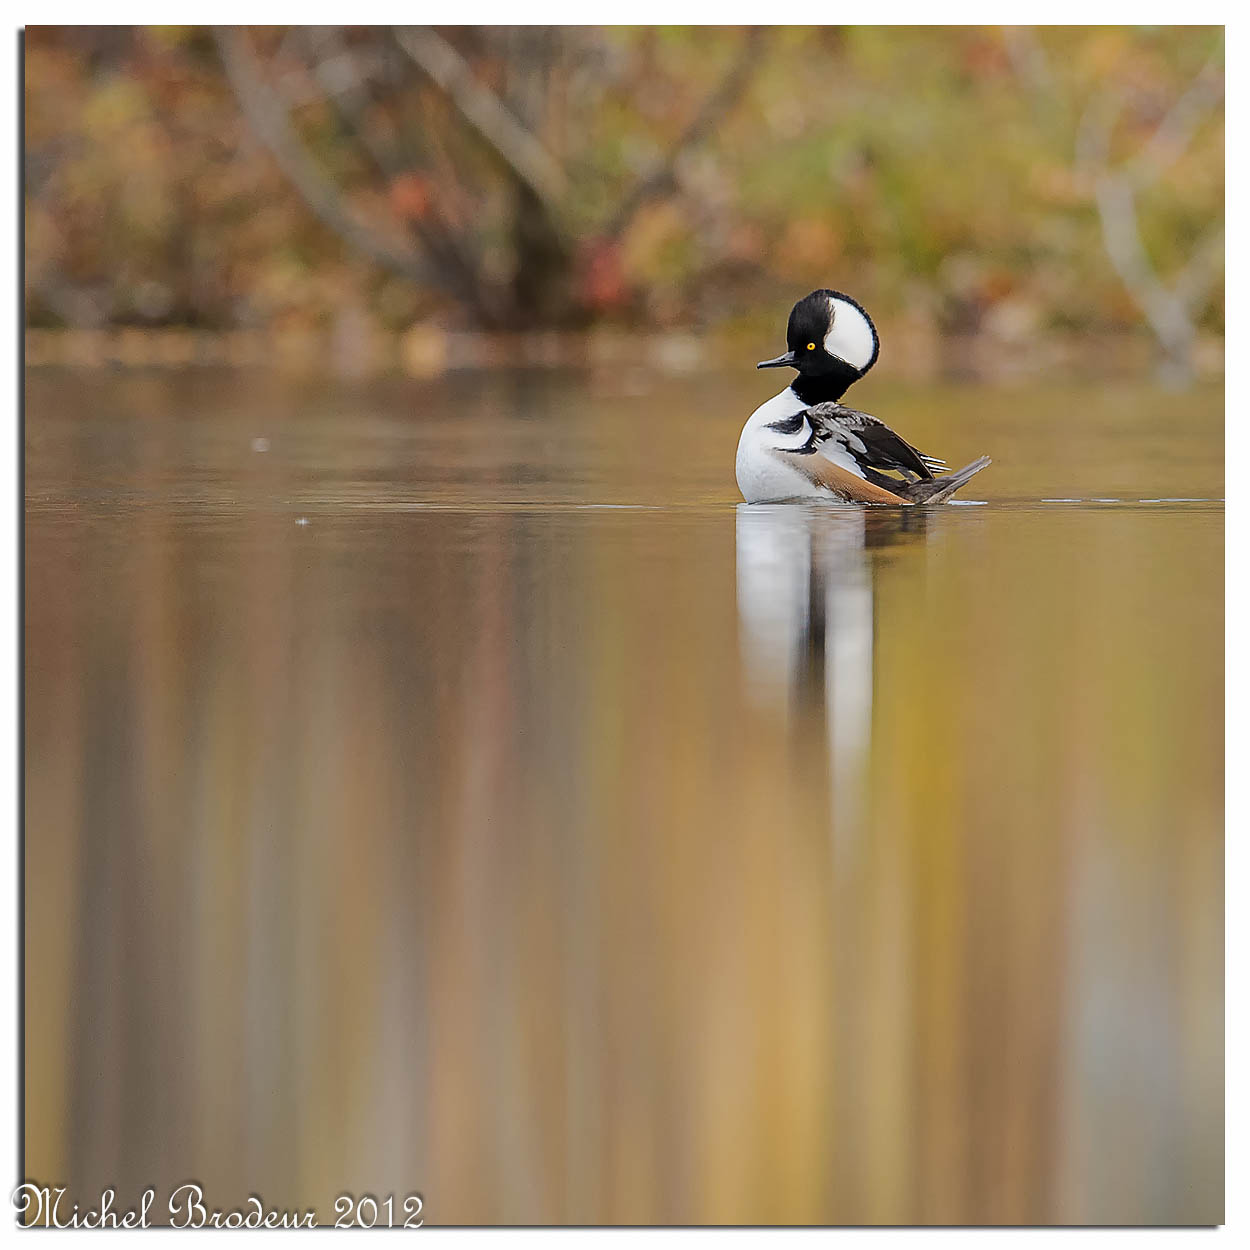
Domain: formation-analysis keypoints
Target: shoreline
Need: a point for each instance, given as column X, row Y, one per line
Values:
column 429, row 351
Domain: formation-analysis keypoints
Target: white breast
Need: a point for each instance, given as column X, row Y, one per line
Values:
column 762, row 476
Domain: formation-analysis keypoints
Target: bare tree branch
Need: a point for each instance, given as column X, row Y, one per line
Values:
column 268, row 117
column 662, row 178
column 524, row 155
column 1168, row 309
column 1172, row 135
column 1202, row 270
column 347, row 95
column 1166, row 313
column 1028, row 58
column 336, row 71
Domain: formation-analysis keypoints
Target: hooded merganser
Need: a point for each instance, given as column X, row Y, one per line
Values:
column 804, row 444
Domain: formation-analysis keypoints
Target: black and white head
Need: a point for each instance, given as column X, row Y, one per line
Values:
column 832, row 343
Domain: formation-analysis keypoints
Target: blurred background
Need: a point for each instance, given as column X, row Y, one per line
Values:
column 999, row 198
column 436, row 779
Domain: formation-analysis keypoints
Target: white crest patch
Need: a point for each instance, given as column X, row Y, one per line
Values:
column 850, row 336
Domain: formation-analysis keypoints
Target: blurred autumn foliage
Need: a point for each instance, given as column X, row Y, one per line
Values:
column 1012, row 183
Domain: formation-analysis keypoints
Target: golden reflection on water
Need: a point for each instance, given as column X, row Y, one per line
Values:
column 566, row 864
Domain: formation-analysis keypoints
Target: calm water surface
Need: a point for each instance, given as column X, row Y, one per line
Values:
column 450, row 787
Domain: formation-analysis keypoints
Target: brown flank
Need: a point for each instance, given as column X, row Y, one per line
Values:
column 840, row 482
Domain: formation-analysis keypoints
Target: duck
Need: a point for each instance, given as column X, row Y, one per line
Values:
column 806, row 444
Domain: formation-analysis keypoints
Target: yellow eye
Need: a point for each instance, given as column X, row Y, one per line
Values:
column 811, row 347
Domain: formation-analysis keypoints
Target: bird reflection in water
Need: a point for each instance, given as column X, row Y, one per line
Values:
column 806, row 611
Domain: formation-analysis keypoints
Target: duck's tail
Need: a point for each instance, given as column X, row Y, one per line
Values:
column 940, row 489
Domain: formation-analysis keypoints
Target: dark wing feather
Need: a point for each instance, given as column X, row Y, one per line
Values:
column 873, row 444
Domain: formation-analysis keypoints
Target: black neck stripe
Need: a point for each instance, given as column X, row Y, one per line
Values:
column 788, row 425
